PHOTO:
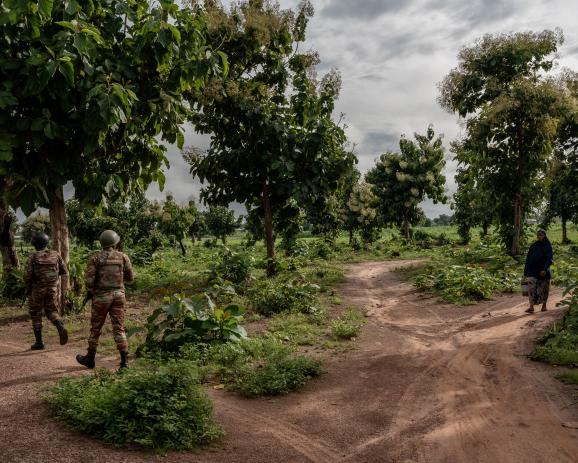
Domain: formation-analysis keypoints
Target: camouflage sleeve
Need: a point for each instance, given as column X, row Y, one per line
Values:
column 128, row 273
column 62, row 270
column 29, row 273
column 90, row 276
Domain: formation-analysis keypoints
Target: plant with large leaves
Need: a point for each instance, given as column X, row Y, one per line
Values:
column 88, row 92
column 273, row 142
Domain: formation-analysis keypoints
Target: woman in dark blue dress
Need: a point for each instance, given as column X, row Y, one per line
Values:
column 537, row 271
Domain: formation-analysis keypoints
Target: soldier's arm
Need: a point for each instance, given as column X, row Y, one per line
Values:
column 62, row 270
column 127, row 269
column 90, row 274
column 28, row 274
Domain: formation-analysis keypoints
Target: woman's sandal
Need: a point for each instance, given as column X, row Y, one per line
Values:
column 530, row 310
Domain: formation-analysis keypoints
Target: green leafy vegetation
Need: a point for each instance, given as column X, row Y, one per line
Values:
column 161, row 406
column 559, row 344
column 347, row 325
column 275, row 296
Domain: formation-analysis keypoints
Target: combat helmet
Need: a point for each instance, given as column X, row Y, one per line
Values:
column 40, row 241
column 108, row 239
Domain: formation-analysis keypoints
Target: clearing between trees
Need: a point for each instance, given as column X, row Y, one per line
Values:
column 427, row 382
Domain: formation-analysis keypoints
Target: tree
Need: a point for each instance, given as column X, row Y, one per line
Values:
column 90, row 90
column 7, row 245
column 360, row 213
column 273, row 138
column 472, row 202
column 220, row 222
column 176, row 220
column 401, row 181
column 443, row 220
column 35, row 223
column 513, row 112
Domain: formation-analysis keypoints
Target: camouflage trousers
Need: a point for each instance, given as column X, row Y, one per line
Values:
column 538, row 290
column 103, row 304
column 43, row 300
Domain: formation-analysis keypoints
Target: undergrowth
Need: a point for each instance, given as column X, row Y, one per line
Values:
column 151, row 405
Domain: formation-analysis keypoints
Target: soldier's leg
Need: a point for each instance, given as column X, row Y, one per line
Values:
column 51, row 302
column 35, row 309
column 100, row 307
column 117, row 319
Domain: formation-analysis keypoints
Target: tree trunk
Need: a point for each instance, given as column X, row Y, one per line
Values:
column 405, row 230
column 224, row 240
column 59, row 238
column 183, row 250
column 350, row 236
column 7, row 244
column 565, row 239
column 268, row 216
column 517, row 226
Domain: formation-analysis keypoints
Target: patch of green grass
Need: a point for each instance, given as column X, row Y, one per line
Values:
column 279, row 376
column 569, row 377
column 296, row 328
column 347, row 325
column 161, row 406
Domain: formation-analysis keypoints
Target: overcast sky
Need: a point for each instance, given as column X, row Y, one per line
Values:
column 391, row 55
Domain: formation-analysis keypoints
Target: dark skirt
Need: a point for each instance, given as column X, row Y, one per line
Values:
column 538, row 290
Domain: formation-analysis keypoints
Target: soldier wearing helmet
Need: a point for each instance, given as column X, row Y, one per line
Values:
column 106, row 273
column 41, row 278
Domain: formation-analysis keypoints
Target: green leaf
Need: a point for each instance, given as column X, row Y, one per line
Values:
column 66, row 68
column 224, row 62
column 180, row 140
column 45, row 7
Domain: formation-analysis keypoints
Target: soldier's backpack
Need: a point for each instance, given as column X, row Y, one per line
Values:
column 110, row 271
column 46, row 269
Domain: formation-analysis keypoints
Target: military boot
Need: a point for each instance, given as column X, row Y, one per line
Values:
column 38, row 345
column 88, row 359
column 62, row 333
column 123, row 360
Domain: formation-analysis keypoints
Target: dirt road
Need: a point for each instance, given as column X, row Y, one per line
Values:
column 427, row 383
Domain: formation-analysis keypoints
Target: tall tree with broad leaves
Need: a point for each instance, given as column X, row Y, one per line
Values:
column 472, row 202
column 273, row 142
column 220, row 222
column 512, row 113
column 401, row 181
column 89, row 90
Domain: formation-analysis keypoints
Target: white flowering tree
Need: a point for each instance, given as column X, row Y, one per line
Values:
column 401, row 181
column 360, row 214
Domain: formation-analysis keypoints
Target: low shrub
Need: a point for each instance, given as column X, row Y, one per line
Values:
column 233, row 266
column 459, row 284
column 559, row 344
column 273, row 296
column 347, row 325
column 12, row 285
column 570, row 377
column 279, row 376
column 158, row 406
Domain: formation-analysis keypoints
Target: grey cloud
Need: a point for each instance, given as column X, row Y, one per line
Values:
column 478, row 12
column 363, row 9
column 376, row 143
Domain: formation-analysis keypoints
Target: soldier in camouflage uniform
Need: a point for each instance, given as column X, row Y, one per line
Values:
column 106, row 273
column 41, row 277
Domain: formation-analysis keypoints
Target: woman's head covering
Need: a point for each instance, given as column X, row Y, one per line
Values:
column 541, row 231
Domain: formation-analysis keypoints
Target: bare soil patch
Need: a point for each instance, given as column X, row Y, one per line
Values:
column 427, row 382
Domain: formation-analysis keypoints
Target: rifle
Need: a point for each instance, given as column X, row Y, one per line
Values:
column 87, row 298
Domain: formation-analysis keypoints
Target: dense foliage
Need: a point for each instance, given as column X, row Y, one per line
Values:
column 161, row 406
column 401, row 181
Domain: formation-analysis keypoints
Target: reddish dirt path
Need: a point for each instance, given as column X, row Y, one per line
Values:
column 427, row 383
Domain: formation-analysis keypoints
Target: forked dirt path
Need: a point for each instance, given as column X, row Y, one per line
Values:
column 427, row 383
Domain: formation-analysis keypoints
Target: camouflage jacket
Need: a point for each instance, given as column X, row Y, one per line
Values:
column 43, row 269
column 107, row 270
